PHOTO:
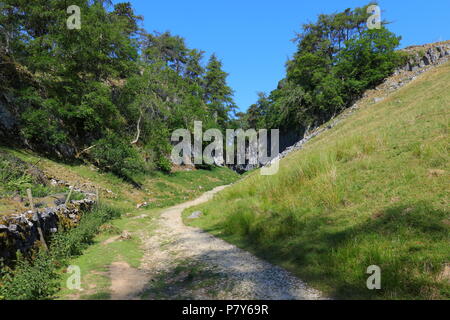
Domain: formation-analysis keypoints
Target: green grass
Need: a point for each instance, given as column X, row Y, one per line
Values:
column 167, row 190
column 158, row 189
column 183, row 281
column 372, row 191
column 96, row 259
column 15, row 179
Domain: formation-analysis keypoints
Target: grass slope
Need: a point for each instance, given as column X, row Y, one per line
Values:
column 372, row 191
column 158, row 189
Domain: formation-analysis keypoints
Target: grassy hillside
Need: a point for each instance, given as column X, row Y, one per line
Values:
column 157, row 189
column 372, row 191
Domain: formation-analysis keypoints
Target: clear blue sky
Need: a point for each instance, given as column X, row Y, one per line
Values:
column 252, row 38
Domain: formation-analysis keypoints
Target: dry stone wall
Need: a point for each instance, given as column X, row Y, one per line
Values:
column 18, row 232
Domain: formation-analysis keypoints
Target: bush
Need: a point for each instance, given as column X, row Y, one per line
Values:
column 30, row 280
column 366, row 61
column 163, row 164
column 117, row 156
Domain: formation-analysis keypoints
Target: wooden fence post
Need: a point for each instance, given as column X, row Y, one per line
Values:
column 38, row 223
column 97, row 197
column 68, row 196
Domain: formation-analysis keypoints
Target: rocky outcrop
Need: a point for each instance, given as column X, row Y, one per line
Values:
column 19, row 231
column 426, row 55
column 7, row 120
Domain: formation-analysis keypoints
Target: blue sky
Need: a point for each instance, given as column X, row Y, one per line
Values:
column 252, row 38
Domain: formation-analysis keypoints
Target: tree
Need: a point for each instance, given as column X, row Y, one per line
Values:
column 337, row 59
column 217, row 94
column 164, row 47
column 131, row 21
column 367, row 60
column 78, row 93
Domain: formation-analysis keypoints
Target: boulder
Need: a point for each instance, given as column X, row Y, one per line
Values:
column 125, row 235
column 195, row 215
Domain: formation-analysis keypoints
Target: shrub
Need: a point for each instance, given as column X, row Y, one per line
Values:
column 163, row 164
column 117, row 156
column 367, row 61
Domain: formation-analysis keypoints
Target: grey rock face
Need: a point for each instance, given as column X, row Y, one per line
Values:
column 7, row 120
column 21, row 229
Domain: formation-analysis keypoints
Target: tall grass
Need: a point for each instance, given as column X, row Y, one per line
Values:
column 371, row 191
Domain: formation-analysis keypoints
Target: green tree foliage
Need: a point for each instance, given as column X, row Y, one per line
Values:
column 217, row 94
column 108, row 83
column 337, row 59
column 367, row 60
column 118, row 156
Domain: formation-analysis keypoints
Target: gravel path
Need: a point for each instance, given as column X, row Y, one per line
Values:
column 182, row 262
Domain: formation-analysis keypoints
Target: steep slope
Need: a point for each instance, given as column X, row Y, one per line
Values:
column 156, row 189
column 371, row 191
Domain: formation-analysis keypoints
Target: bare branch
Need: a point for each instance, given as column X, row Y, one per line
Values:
column 84, row 151
column 138, row 133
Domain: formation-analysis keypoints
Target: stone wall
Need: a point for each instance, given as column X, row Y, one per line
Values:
column 19, row 231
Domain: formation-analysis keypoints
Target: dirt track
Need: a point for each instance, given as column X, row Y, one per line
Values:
column 182, row 262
